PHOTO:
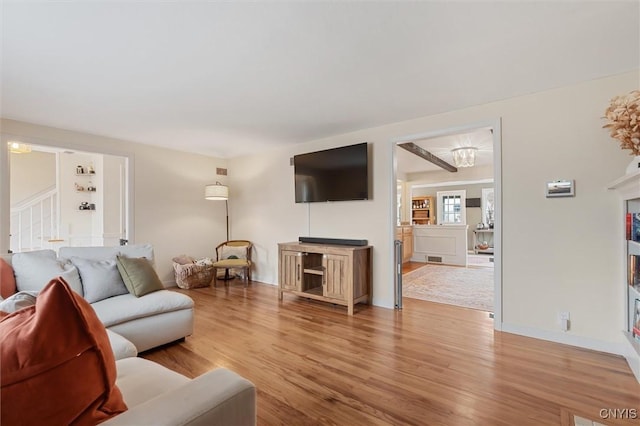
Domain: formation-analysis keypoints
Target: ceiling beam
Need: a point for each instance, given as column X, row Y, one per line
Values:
column 423, row 153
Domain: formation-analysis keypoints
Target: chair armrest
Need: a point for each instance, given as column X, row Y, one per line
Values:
column 218, row 397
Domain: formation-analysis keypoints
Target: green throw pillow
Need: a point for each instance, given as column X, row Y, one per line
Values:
column 138, row 275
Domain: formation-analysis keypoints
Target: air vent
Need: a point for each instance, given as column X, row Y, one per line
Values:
column 221, row 172
column 434, row 259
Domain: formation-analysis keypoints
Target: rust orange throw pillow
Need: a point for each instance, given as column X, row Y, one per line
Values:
column 56, row 363
column 7, row 279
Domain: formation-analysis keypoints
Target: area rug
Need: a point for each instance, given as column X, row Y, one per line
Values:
column 454, row 285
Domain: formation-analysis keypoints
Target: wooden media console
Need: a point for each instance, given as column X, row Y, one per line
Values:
column 330, row 273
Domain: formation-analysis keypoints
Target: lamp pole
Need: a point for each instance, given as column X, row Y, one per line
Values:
column 226, row 203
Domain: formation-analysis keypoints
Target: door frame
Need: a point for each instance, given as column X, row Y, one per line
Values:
column 496, row 126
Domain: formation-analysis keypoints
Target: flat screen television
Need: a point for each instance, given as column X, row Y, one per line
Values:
column 338, row 174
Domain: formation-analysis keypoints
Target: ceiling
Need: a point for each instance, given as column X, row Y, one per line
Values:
column 441, row 147
column 235, row 78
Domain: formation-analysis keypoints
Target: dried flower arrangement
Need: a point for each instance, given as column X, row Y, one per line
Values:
column 623, row 117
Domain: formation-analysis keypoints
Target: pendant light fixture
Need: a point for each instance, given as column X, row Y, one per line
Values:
column 464, row 157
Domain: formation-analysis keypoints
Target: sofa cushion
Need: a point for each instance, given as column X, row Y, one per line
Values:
column 7, row 279
column 142, row 380
column 120, row 309
column 138, row 275
column 100, row 278
column 56, row 364
column 95, row 253
column 122, row 348
column 98, row 253
column 34, row 269
column 17, row 301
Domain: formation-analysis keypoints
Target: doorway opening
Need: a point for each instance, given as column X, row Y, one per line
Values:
column 452, row 214
column 58, row 196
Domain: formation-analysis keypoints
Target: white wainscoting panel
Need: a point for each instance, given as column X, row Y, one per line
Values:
column 447, row 242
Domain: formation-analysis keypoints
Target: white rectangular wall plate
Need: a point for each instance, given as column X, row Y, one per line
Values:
column 560, row 188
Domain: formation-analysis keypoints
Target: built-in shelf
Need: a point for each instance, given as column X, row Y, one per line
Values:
column 422, row 211
column 628, row 187
column 628, row 179
column 316, row 271
column 476, row 239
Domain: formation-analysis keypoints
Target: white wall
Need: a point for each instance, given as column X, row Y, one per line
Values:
column 31, row 173
column 170, row 210
column 78, row 227
column 464, row 174
column 559, row 254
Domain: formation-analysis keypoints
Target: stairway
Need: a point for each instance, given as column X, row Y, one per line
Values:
column 34, row 222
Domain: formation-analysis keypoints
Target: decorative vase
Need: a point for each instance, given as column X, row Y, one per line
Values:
column 634, row 166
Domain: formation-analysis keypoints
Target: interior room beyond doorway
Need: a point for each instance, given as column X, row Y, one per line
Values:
column 449, row 210
column 60, row 197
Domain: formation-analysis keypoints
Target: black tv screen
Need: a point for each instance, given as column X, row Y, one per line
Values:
column 338, row 174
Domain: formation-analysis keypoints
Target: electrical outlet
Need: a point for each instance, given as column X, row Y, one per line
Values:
column 564, row 320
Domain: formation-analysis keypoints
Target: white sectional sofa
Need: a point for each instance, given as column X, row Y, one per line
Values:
column 149, row 321
column 153, row 394
column 157, row 396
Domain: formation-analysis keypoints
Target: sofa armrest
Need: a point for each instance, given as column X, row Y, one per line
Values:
column 219, row 397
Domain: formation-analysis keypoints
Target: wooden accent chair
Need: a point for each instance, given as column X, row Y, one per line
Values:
column 233, row 254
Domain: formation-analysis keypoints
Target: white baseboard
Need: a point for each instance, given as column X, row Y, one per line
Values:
column 565, row 338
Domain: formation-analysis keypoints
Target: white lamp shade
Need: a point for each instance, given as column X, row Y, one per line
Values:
column 216, row 192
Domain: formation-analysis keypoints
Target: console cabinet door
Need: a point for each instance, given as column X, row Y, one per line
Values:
column 336, row 272
column 290, row 270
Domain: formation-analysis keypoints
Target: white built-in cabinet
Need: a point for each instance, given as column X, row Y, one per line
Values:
column 628, row 187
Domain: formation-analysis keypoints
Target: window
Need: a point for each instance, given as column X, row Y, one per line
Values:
column 451, row 207
column 487, row 206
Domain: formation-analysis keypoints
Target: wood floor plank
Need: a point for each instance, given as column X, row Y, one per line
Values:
column 429, row 364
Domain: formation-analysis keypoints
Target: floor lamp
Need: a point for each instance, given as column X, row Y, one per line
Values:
column 218, row 192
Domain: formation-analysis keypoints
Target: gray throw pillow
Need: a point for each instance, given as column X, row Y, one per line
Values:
column 100, row 278
column 34, row 270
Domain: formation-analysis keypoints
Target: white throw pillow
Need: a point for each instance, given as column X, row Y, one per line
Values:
column 230, row 252
column 34, row 270
column 17, row 301
column 100, row 278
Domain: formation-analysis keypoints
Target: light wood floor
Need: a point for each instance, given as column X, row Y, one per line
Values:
column 411, row 266
column 428, row 364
